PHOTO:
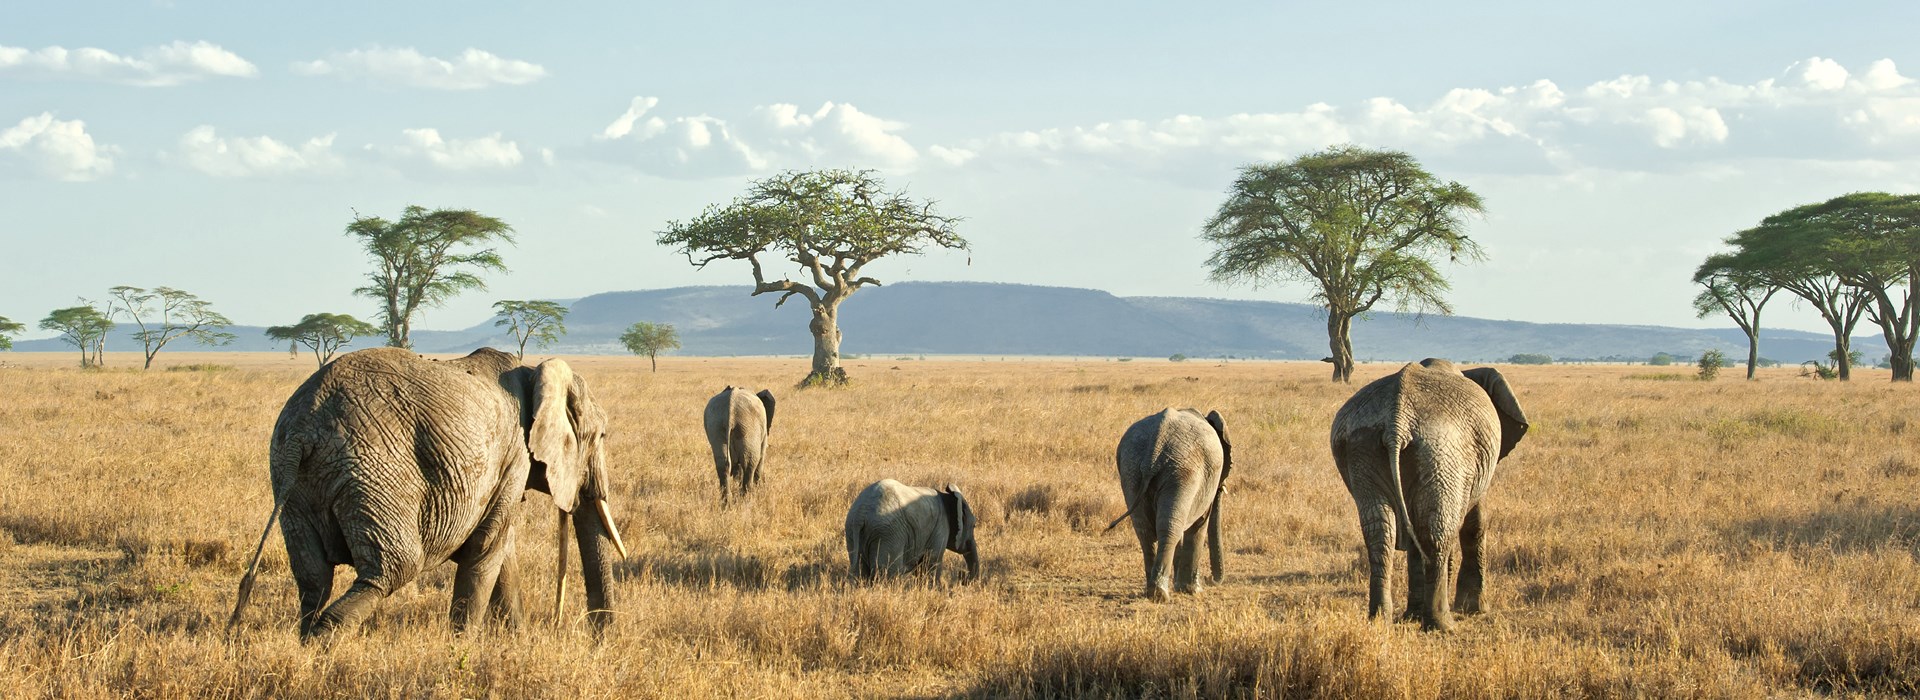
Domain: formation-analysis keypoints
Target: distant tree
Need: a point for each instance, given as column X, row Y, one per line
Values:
column 650, row 339
column 1788, row 255
column 1730, row 288
column 1363, row 225
column 83, row 327
column 1528, row 358
column 1660, row 359
column 831, row 223
column 542, row 322
column 424, row 259
column 1871, row 242
column 1711, row 360
column 177, row 314
column 1177, row 357
column 322, row 333
column 7, row 329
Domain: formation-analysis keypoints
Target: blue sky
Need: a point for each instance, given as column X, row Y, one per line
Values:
column 222, row 147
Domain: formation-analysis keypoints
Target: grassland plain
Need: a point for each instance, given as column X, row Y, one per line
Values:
column 1650, row 538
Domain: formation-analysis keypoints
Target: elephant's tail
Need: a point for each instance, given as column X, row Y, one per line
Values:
column 1146, row 496
column 1395, row 441
column 253, row 567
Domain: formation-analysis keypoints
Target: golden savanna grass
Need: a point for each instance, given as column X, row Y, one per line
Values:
column 1650, row 538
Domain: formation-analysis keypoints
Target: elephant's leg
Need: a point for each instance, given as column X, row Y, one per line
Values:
column 1380, row 529
column 1434, row 614
column 473, row 582
column 722, row 464
column 1160, row 580
column 307, row 558
column 1473, row 569
column 480, row 560
column 506, row 605
column 349, row 611
column 1144, row 531
column 1186, row 561
column 1417, row 591
column 385, row 559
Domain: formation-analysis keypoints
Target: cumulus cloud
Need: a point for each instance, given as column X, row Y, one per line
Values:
column 471, row 70
column 240, row 156
column 487, row 153
column 767, row 137
column 171, row 64
column 56, row 148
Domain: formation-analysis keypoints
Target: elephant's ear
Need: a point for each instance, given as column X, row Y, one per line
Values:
column 551, row 438
column 1219, row 424
column 766, row 399
column 1513, row 421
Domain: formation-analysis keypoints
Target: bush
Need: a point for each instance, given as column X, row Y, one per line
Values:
column 1530, row 358
column 1660, row 359
column 1177, row 357
column 1710, row 363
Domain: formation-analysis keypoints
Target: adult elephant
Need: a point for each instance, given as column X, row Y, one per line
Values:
column 737, row 426
column 390, row 462
column 1417, row 450
column 893, row 528
column 1173, row 472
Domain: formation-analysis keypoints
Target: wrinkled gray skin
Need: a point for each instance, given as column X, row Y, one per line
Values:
column 1173, row 471
column 1417, row 450
column 390, row 463
column 893, row 528
column 737, row 427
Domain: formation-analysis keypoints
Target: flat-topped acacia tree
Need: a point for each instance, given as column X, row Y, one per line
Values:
column 830, row 223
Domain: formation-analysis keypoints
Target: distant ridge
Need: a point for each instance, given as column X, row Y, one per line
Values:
column 976, row 318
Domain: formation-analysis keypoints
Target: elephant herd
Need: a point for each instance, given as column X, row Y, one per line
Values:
column 390, row 463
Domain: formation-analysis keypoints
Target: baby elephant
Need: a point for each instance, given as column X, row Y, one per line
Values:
column 737, row 427
column 893, row 528
column 1173, row 471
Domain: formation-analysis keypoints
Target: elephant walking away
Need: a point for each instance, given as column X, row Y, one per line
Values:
column 737, row 427
column 1173, row 472
column 1417, row 450
column 893, row 528
column 391, row 463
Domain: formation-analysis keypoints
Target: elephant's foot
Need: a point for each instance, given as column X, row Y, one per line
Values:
column 1468, row 605
column 1158, row 593
column 1437, row 623
column 1189, row 588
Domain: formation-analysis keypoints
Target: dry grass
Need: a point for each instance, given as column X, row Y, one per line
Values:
column 1651, row 538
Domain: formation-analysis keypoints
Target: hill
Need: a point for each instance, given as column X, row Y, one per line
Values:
column 1015, row 319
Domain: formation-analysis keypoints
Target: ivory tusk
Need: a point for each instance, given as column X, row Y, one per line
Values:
column 560, row 570
column 606, row 519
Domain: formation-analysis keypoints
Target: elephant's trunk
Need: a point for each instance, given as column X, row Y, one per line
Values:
column 972, row 557
column 596, row 561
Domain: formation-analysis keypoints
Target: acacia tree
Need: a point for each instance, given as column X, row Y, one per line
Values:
column 322, row 333
column 1788, row 256
column 424, row 259
column 830, row 223
column 1362, row 225
column 650, row 339
column 1870, row 241
column 7, row 329
column 83, row 327
column 181, row 314
column 542, row 322
column 1736, row 292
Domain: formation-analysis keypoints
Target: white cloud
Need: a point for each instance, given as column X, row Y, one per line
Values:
column 769, row 137
column 472, row 70
column 206, row 151
column 171, row 64
column 487, row 153
column 56, row 148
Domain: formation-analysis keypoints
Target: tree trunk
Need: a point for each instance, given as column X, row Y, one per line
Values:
column 654, row 360
column 1339, row 327
column 1902, row 360
column 1753, row 351
column 1843, row 358
column 826, row 346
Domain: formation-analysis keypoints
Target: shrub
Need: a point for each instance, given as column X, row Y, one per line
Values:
column 1177, row 357
column 1530, row 358
column 1710, row 363
column 1660, row 359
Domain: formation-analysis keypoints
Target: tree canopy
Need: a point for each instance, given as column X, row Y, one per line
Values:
column 164, row 314
column 323, row 333
column 651, row 339
column 541, row 322
column 83, row 327
column 830, row 224
column 1360, row 225
column 7, row 328
column 424, row 259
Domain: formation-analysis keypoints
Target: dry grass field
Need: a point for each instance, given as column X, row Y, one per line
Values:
column 1652, row 537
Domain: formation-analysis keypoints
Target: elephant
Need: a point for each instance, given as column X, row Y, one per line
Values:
column 893, row 528
column 1417, row 450
column 737, row 428
column 390, row 463
column 1173, row 471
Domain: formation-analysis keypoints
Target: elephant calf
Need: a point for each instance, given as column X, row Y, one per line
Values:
column 1173, row 471
column 1417, row 450
column 737, row 427
column 893, row 528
